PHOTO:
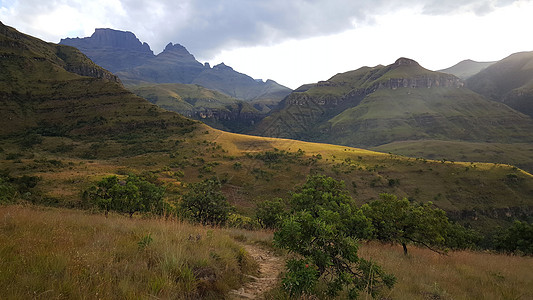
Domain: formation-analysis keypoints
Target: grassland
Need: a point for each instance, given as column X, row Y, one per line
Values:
column 51, row 253
column 489, row 194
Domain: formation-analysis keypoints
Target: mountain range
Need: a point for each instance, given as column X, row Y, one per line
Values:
column 122, row 53
column 141, row 71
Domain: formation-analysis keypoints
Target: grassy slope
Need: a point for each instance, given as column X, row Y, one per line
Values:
column 58, row 253
column 520, row 155
column 509, row 80
column 438, row 113
column 483, row 190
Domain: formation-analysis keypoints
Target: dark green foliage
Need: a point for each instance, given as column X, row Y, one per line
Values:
column 12, row 188
column 323, row 229
column 517, row 238
column 270, row 213
column 204, row 203
column 459, row 237
column 8, row 190
column 278, row 156
column 400, row 221
column 300, row 278
column 127, row 196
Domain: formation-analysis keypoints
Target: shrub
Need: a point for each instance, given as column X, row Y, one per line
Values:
column 323, row 229
column 400, row 221
column 270, row 213
column 204, row 203
column 127, row 196
column 517, row 238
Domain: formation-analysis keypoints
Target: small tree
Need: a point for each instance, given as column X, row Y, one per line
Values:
column 400, row 221
column 270, row 213
column 518, row 237
column 127, row 196
column 323, row 229
column 204, row 203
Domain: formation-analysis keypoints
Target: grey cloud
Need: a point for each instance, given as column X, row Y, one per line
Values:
column 207, row 26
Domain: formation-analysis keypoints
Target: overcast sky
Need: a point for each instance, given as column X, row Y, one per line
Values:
column 295, row 41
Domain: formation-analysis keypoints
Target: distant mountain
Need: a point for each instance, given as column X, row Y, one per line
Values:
column 402, row 101
column 112, row 49
column 467, row 68
column 509, row 81
column 134, row 62
column 213, row 108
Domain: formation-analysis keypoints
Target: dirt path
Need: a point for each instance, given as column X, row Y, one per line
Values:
column 269, row 268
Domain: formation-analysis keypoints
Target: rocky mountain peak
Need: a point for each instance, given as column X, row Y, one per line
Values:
column 405, row 61
column 179, row 52
column 222, row 66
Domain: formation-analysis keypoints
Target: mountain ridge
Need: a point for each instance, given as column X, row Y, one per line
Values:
column 134, row 62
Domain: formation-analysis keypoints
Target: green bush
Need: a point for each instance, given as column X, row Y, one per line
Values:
column 400, row 221
column 204, row 203
column 518, row 238
column 270, row 213
column 322, row 229
column 127, row 196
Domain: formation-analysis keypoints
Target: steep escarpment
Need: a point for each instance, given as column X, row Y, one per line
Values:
column 113, row 49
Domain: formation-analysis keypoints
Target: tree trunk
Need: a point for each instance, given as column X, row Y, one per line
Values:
column 404, row 248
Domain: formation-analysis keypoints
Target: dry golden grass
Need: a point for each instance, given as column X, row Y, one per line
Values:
column 48, row 253
column 424, row 274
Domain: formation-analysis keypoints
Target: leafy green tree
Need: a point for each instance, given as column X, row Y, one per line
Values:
column 127, row 196
column 517, row 238
column 270, row 213
column 323, row 229
column 400, row 221
column 204, row 202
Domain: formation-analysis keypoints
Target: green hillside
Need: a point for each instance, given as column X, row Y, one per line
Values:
column 384, row 105
column 55, row 90
column 509, row 81
column 211, row 107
